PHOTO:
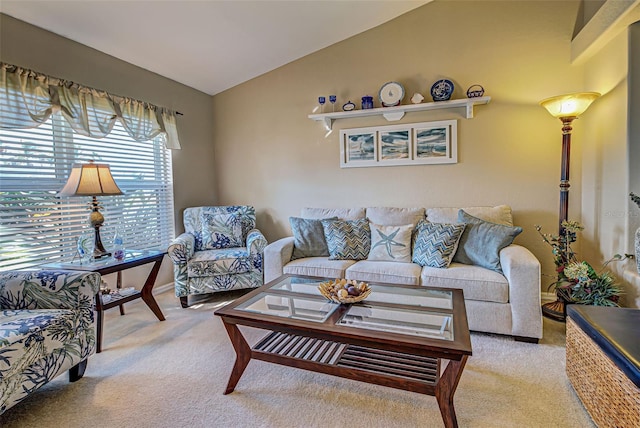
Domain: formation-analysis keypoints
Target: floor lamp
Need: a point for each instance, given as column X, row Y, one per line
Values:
column 567, row 108
column 92, row 179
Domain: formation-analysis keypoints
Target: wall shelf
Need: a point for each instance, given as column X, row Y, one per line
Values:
column 393, row 114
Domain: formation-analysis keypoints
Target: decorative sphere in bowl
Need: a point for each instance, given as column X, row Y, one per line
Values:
column 344, row 290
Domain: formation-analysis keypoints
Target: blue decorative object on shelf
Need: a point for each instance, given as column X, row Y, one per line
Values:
column 475, row 91
column 367, row 102
column 332, row 100
column 442, row 90
column 348, row 106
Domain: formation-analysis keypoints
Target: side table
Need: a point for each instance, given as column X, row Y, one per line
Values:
column 109, row 265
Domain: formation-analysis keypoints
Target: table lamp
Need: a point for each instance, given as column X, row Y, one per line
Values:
column 92, row 179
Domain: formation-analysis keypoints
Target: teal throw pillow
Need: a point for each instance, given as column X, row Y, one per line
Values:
column 308, row 238
column 347, row 239
column 482, row 241
column 390, row 243
column 436, row 243
column 221, row 231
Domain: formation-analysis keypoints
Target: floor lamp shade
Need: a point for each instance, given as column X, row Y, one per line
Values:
column 92, row 179
column 569, row 105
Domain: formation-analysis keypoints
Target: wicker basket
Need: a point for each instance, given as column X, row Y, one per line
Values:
column 606, row 392
column 330, row 291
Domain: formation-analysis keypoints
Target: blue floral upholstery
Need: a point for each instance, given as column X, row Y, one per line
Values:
column 46, row 328
column 203, row 262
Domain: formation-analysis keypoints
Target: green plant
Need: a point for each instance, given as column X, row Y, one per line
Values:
column 577, row 281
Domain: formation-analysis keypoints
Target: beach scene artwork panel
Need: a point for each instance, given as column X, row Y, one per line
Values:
column 432, row 142
column 358, row 147
column 435, row 142
column 395, row 145
column 361, row 147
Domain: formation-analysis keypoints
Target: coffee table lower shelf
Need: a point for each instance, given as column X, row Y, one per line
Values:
column 387, row 368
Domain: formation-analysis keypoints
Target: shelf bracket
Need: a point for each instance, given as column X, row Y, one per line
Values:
column 393, row 116
column 469, row 111
column 327, row 122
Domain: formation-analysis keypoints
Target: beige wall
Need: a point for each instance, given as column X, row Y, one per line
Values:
column 605, row 202
column 194, row 177
column 269, row 154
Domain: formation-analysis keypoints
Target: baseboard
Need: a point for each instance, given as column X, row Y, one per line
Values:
column 162, row 288
column 548, row 297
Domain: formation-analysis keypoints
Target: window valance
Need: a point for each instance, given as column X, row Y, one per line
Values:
column 28, row 98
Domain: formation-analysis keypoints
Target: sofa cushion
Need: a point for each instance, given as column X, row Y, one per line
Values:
column 318, row 266
column 476, row 282
column 221, row 230
column 482, row 241
column 347, row 239
column 390, row 216
column 389, row 272
column 390, row 243
column 500, row 214
column 341, row 213
column 308, row 238
column 436, row 243
column 225, row 261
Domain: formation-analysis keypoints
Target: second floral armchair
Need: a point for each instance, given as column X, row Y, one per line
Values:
column 220, row 250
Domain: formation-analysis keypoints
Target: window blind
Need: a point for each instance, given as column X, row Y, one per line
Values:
column 36, row 226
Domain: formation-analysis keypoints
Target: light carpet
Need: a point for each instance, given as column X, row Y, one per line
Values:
column 173, row 373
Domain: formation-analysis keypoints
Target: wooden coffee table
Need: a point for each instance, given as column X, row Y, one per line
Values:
column 399, row 337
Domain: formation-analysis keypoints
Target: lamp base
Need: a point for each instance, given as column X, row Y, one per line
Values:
column 98, row 249
column 555, row 310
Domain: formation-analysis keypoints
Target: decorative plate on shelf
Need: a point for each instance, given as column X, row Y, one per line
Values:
column 344, row 291
column 442, row 90
column 391, row 94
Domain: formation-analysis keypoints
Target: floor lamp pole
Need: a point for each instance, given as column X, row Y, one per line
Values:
column 557, row 310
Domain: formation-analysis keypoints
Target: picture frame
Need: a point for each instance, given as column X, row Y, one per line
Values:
column 394, row 145
column 358, row 147
column 435, row 142
column 407, row 144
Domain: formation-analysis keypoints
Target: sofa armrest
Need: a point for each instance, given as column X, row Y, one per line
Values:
column 276, row 256
column 522, row 270
column 256, row 242
column 182, row 248
column 48, row 289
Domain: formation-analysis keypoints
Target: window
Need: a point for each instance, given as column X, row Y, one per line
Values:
column 36, row 226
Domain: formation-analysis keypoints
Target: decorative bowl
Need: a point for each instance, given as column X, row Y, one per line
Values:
column 442, row 90
column 336, row 290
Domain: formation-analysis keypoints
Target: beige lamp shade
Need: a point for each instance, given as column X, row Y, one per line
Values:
column 569, row 105
column 92, row 179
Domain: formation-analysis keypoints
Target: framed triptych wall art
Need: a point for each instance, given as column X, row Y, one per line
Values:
column 408, row 144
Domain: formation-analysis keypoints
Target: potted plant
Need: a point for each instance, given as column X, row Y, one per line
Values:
column 577, row 281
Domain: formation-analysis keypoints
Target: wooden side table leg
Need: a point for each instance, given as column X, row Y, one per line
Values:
column 243, row 355
column 445, row 389
column 99, row 313
column 147, row 291
column 119, row 286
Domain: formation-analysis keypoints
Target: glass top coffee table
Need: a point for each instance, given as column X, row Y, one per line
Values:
column 398, row 337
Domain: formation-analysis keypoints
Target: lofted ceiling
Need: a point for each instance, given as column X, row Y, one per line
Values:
column 209, row 45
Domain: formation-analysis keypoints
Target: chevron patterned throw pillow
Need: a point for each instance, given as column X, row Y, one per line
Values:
column 436, row 243
column 347, row 239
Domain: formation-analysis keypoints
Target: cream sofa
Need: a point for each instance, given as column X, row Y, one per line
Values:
column 506, row 302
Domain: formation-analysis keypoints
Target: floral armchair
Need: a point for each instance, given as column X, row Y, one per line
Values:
column 220, row 250
column 46, row 327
